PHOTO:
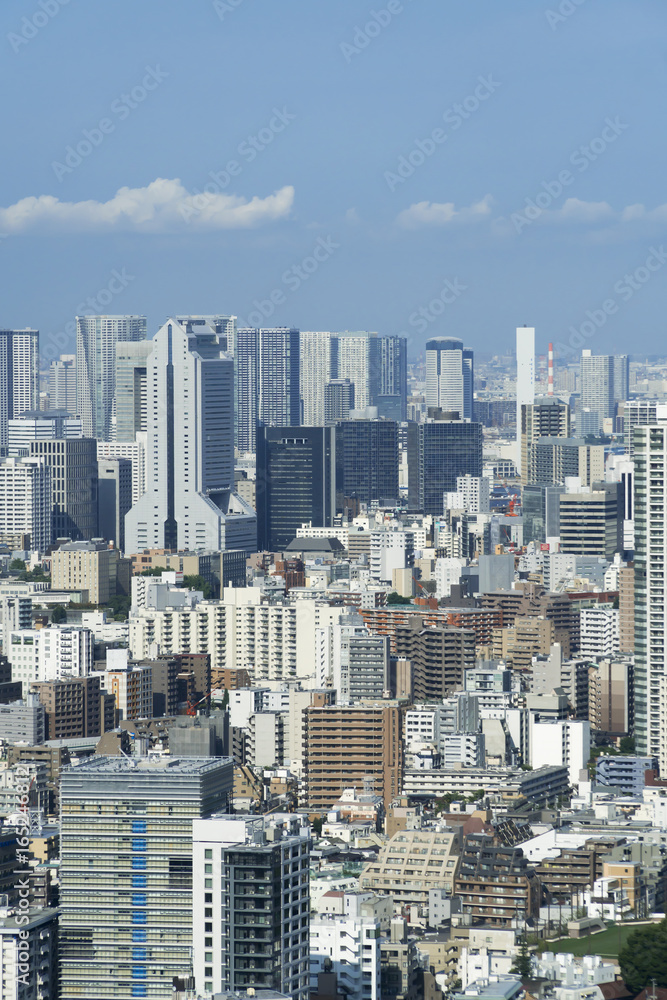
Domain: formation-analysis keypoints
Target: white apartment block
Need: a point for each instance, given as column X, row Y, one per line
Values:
column 48, row 654
column 447, row 574
column 25, row 501
column 267, row 739
column 347, row 944
column 390, row 550
column 271, row 641
column 471, row 494
column 356, row 354
column 599, row 632
column 317, row 366
column 565, row 742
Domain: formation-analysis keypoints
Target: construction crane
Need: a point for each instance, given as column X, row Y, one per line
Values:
column 194, row 705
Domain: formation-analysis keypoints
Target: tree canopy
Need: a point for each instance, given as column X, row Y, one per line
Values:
column 644, row 957
column 59, row 614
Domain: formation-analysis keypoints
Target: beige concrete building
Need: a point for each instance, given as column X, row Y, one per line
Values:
column 90, row 566
column 626, row 607
column 412, row 863
column 610, row 685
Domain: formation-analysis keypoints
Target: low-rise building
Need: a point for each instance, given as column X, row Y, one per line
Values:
column 412, row 863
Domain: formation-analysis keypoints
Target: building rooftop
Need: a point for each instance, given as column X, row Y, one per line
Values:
column 154, row 764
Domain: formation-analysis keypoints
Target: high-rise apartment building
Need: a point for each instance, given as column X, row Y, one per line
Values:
column 392, row 396
column 189, row 501
column 318, row 360
column 440, row 450
column 345, row 746
column 638, row 413
column 650, row 620
column 553, row 459
column 367, row 460
column 19, row 384
column 96, row 339
column 251, row 904
column 604, row 383
column 131, row 393
column 126, row 876
column 359, row 360
column 338, row 400
column 449, row 376
column 439, row 657
column 525, row 378
column 25, row 503
column 62, row 384
column 296, row 482
column 75, row 707
column 591, row 521
column 546, row 417
column 267, row 382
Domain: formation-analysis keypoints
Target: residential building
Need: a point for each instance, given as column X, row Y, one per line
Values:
column 29, row 952
column 91, row 566
column 51, row 653
column 625, row 772
column 626, row 608
column 96, row 339
column 565, row 742
column 75, row 707
column 599, row 632
column 318, row 368
column 189, row 501
column 604, row 383
column 347, row 944
column 62, row 384
column 471, row 495
column 267, row 381
column 555, row 459
column 40, row 425
column 439, row 450
column 639, row 413
column 338, row 400
column 449, row 376
column 296, row 482
column 439, row 657
column 19, row 385
column 541, row 786
column 545, row 417
column 250, row 904
column 359, row 361
column 610, row 696
column 73, row 465
column 496, row 884
column 126, row 874
column 345, row 745
column 131, row 684
column 25, row 502
column 367, row 462
column 413, row 863
column 392, row 392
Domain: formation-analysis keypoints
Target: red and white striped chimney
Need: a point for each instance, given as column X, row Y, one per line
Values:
column 550, row 379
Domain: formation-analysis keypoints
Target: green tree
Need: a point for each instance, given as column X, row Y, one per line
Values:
column 522, row 965
column 317, row 826
column 59, row 614
column 120, row 605
column 198, row 583
column 627, row 745
column 395, row 598
column 153, row 571
column 17, row 564
column 644, row 957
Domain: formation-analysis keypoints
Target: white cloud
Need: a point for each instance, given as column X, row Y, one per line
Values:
column 575, row 210
column 162, row 206
column 433, row 213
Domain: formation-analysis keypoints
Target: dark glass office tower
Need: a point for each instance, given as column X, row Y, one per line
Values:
column 439, row 450
column 296, row 473
column 367, row 461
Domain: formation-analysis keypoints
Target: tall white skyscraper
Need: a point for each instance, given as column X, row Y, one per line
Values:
column 449, row 376
column 19, row 377
column 358, row 360
column 267, row 381
column 318, row 360
column 62, row 384
column 96, row 339
column 189, row 501
column 604, row 383
column 650, row 506
column 525, row 379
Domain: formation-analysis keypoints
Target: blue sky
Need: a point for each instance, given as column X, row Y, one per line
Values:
column 487, row 102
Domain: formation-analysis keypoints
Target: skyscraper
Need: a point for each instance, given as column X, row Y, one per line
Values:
column 318, row 359
column 96, row 339
column 440, row 450
column 267, row 381
column 359, row 360
column 131, row 407
column 367, row 460
column 525, row 379
column 126, row 874
column 449, row 376
column 114, row 491
column 393, row 387
column 19, row 381
column 296, row 482
column 604, row 383
column 650, row 456
column 546, row 417
column 189, row 501
column 62, row 384
column 338, row 400
column 251, row 904
column 25, row 504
